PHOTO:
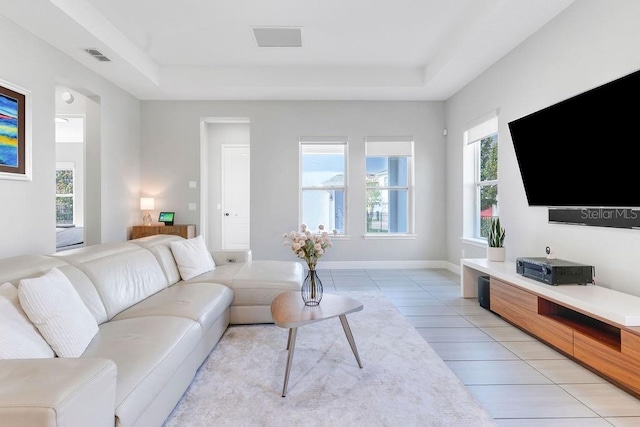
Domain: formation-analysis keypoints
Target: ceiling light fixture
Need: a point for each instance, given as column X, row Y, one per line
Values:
column 67, row 97
column 278, row 36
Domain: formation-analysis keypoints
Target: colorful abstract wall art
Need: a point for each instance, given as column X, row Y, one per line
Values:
column 13, row 138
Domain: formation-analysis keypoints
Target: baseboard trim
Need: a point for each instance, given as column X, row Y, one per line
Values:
column 454, row 268
column 362, row 265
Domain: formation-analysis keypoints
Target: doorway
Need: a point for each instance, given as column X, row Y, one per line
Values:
column 225, row 176
column 69, row 182
column 78, row 193
column 70, row 178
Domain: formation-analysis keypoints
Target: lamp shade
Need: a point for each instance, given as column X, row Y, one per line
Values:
column 146, row 203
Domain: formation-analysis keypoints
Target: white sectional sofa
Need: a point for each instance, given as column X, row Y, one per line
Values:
column 154, row 331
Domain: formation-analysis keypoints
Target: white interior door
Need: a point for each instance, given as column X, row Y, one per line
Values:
column 235, row 196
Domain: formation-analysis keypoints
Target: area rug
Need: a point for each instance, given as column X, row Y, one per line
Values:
column 403, row 381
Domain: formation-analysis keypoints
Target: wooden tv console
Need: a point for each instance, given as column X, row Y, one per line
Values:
column 595, row 326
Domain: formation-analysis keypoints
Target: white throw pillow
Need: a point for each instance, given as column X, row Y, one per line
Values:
column 19, row 338
column 55, row 307
column 192, row 257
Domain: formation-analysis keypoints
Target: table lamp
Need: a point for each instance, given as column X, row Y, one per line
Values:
column 146, row 204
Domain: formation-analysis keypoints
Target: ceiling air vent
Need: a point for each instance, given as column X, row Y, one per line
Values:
column 278, row 36
column 97, row 54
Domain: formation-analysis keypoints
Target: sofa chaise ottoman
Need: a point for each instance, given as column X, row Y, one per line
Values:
column 153, row 330
column 254, row 283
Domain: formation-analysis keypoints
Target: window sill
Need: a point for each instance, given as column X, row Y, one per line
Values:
column 481, row 243
column 339, row 236
column 390, row 236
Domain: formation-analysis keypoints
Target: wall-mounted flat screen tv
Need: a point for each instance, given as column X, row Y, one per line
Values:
column 583, row 151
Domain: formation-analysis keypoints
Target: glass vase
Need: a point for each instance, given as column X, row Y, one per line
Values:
column 311, row 290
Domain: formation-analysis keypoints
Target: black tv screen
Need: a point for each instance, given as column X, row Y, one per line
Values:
column 583, row 151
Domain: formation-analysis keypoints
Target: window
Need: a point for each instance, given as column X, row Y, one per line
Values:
column 389, row 186
column 323, row 183
column 482, row 139
column 64, row 195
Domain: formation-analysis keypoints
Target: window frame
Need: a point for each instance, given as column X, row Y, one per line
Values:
column 480, row 184
column 324, row 141
column 473, row 135
column 67, row 166
column 392, row 151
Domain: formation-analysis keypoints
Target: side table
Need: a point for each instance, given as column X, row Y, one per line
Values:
column 288, row 311
column 187, row 231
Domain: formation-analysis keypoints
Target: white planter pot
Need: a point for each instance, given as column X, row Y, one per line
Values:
column 495, row 254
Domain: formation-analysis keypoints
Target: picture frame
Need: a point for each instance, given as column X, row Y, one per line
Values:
column 15, row 132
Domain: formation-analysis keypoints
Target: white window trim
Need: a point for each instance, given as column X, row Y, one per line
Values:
column 481, row 243
column 396, row 236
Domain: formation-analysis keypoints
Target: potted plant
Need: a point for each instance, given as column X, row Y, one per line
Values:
column 495, row 241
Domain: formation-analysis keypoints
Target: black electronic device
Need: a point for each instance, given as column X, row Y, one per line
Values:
column 555, row 271
column 166, row 217
column 581, row 152
column 484, row 292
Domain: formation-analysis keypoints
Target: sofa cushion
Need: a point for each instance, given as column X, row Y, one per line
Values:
column 158, row 245
column 19, row 338
column 201, row 302
column 93, row 252
column 124, row 279
column 147, row 352
column 223, row 274
column 13, row 269
column 87, row 291
column 259, row 282
column 192, row 257
column 57, row 392
column 56, row 309
column 27, row 266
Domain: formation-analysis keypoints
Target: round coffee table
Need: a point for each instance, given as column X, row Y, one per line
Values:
column 288, row 311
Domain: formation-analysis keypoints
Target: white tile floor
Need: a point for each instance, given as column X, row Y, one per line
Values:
column 520, row 381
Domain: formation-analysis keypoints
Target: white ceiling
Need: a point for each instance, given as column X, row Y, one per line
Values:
column 351, row 49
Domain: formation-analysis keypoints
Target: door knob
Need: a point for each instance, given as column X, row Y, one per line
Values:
column 226, row 214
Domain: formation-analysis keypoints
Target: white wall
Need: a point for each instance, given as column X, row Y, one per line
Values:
column 27, row 214
column 590, row 43
column 171, row 156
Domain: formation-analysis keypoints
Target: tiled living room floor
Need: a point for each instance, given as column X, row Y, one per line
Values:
column 520, row 381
